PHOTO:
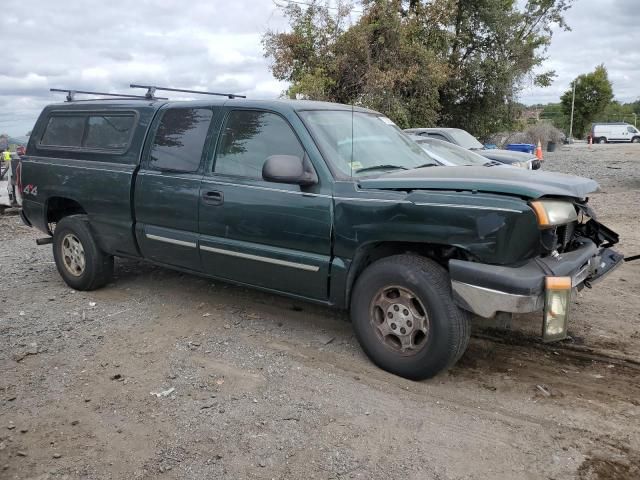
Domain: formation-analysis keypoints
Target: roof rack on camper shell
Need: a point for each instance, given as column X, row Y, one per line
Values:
column 71, row 94
column 150, row 95
column 151, row 90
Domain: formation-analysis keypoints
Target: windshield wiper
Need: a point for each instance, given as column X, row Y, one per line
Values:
column 380, row 167
column 427, row 165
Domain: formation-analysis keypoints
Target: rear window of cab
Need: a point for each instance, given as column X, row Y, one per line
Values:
column 107, row 132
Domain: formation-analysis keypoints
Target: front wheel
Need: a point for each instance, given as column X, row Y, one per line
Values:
column 635, row 140
column 405, row 318
column 80, row 262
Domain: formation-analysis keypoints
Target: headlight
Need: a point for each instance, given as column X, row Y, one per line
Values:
column 526, row 165
column 554, row 212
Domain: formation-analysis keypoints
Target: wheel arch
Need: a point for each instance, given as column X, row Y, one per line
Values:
column 58, row 207
column 367, row 254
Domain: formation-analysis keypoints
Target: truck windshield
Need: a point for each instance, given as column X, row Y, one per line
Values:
column 361, row 143
column 465, row 139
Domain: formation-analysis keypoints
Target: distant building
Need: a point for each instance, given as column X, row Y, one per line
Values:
column 531, row 115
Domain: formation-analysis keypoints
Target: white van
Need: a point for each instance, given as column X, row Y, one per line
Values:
column 614, row 132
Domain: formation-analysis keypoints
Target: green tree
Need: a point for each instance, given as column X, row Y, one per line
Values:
column 618, row 112
column 553, row 112
column 459, row 63
column 304, row 56
column 380, row 62
column 493, row 48
column 593, row 94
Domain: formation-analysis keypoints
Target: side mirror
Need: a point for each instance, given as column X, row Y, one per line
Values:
column 289, row 169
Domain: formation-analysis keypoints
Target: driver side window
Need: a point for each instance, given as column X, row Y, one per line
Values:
column 249, row 137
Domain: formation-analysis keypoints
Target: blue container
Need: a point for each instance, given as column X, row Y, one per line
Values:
column 521, row 147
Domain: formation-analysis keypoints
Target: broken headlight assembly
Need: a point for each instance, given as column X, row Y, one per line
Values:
column 556, row 308
column 551, row 213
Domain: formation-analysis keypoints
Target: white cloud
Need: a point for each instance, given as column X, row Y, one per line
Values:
column 215, row 45
column 602, row 32
column 105, row 46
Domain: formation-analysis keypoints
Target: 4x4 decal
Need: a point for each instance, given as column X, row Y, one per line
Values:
column 30, row 190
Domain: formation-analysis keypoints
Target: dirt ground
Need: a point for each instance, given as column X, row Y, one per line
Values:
column 250, row 385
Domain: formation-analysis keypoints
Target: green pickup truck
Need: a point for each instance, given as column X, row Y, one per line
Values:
column 319, row 201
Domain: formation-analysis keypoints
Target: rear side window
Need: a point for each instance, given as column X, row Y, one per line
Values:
column 89, row 131
column 64, row 131
column 180, row 139
column 108, row 131
column 249, row 138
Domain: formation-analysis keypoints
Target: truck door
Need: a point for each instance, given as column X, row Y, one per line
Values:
column 168, row 187
column 272, row 235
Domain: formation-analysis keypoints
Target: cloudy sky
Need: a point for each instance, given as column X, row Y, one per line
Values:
column 602, row 31
column 215, row 45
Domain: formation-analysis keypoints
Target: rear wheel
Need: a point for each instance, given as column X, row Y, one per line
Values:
column 602, row 140
column 80, row 262
column 405, row 318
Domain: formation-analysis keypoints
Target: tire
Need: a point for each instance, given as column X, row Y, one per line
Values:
column 635, row 140
column 602, row 140
column 446, row 330
column 81, row 264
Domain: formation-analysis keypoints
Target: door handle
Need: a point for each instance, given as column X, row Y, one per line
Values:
column 213, row 197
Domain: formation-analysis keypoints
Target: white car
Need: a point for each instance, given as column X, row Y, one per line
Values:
column 614, row 132
column 450, row 155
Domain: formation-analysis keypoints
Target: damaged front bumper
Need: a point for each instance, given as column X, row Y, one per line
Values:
column 488, row 289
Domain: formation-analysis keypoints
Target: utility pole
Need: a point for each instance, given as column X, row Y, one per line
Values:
column 573, row 99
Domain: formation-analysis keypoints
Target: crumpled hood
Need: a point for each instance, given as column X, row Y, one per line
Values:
column 505, row 156
column 512, row 181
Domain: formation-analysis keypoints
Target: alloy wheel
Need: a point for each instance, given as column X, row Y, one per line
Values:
column 73, row 256
column 400, row 320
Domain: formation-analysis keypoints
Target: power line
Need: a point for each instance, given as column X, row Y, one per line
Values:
column 307, row 4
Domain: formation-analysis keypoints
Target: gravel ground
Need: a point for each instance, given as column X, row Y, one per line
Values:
column 165, row 375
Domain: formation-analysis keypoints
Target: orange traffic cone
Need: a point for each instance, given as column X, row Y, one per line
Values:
column 539, row 151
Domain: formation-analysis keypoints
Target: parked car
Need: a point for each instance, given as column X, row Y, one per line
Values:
column 466, row 140
column 451, row 155
column 614, row 132
column 318, row 201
